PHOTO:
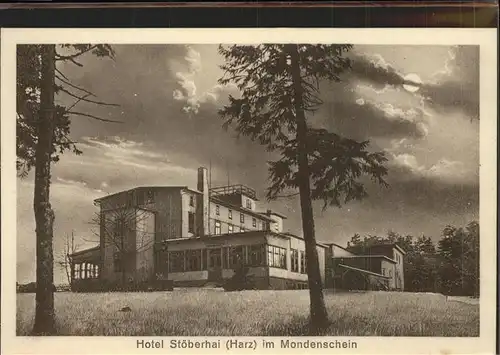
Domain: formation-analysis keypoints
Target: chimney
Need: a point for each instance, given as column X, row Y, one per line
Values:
column 203, row 202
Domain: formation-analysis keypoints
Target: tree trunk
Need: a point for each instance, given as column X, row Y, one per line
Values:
column 44, row 216
column 319, row 316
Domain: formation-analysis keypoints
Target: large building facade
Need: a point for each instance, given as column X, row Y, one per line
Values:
column 196, row 237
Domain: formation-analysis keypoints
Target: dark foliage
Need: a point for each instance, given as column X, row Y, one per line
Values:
column 28, row 88
column 451, row 268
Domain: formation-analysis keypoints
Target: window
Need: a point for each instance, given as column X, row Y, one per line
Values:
column 190, row 222
column 230, row 214
column 264, row 226
column 117, row 262
column 217, row 227
column 390, row 273
column 217, row 210
column 236, row 256
column 76, row 271
column 303, row 263
column 193, row 260
column 295, row 260
column 150, row 197
column 383, row 271
column 242, row 218
column 118, row 228
column 276, row 257
column 191, row 201
column 215, row 258
column 249, row 204
column 176, row 261
column 130, row 198
column 230, row 228
column 256, row 255
column 97, row 271
column 254, row 222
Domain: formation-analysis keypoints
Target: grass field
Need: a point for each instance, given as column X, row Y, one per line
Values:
column 207, row 312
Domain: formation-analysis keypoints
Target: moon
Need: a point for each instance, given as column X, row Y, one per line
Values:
column 414, row 78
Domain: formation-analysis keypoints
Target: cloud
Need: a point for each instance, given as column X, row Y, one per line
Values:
column 445, row 170
column 121, row 164
column 454, row 87
column 187, row 81
column 362, row 118
column 376, row 70
column 453, row 95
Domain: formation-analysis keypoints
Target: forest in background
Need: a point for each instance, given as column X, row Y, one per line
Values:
column 450, row 266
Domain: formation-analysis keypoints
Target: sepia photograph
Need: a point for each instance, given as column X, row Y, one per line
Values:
column 249, row 188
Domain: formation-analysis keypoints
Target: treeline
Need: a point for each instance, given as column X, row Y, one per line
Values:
column 450, row 267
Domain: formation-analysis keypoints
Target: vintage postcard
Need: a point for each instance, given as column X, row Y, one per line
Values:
column 327, row 191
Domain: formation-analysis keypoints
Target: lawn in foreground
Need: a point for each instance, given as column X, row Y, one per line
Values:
column 210, row 312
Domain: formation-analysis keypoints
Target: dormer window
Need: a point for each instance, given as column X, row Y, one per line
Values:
column 249, row 204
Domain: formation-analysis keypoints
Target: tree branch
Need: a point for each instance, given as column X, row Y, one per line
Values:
column 70, row 57
column 87, row 100
column 76, row 102
column 74, row 86
column 92, row 116
column 60, row 73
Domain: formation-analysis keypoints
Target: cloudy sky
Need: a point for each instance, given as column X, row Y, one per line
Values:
column 169, row 97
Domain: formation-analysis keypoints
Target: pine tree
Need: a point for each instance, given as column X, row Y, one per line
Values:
column 280, row 90
column 42, row 135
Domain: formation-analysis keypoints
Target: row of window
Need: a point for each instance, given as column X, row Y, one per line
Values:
column 230, row 257
column 230, row 216
column 85, row 271
column 232, row 228
column 202, row 259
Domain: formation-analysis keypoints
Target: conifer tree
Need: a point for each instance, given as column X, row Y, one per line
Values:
column 43, row 130
column 280, row 90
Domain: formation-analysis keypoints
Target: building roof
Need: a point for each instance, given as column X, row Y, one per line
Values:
column 274, row 213
column 218, row 236
column 339, row 246
column 84, row 251
column 240, row 208
column 365, row 256
column 390, row 245
column 300, row 237
column 363, row 271
column 239, row 189
column 399, row 248
column 97, row 200
column 360, row 248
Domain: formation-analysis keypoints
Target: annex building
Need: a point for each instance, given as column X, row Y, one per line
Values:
column 197, row 237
